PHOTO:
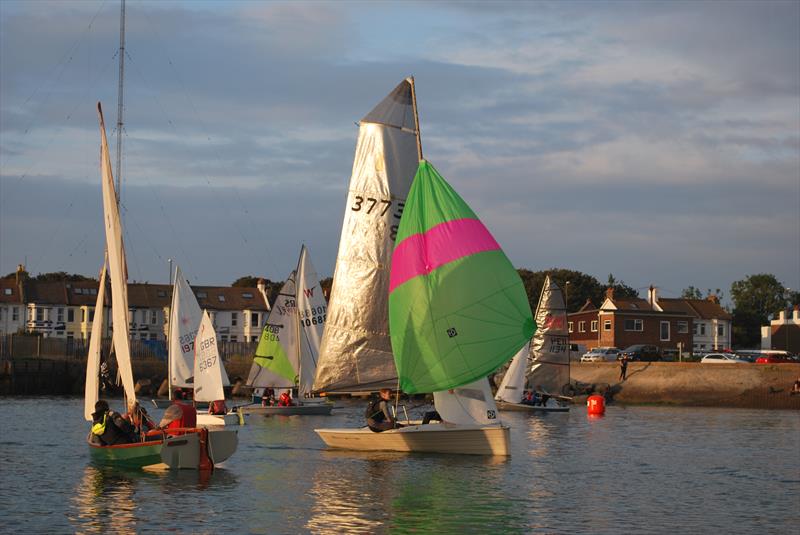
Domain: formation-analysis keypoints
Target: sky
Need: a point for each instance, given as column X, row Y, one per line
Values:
column 655, row 141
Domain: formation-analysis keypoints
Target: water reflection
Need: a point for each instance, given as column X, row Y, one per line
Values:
column 368, row 492
column 103, row 499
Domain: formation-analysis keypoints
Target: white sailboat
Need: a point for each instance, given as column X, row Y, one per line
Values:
column 287, row 353
column 192, row 446
column 547, row 359
column 209, row 375
column 457, row 307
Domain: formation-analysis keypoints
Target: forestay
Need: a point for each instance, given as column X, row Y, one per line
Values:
column 549, row 347
column 457, row 307
column 184, row 320
column 208, row 369
column 355, row 352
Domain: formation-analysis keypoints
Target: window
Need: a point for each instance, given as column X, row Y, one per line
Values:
column 78, row 291
column 39, row 314
column 247, row 295
column 683, row 327
column 634, row 325
column 15, row 314
column 221, row 298
column 70, row 335
column 223, row 338
column 91, row 314
column 153, row 336
column 702, row 329
column 60, row 315
column 93, row 291
column 570, row 326
column 720, row 330
column 83, row 315
column 254, row 319
column 202, row 295
column 254, row 338
column 594, row 326
column 70, row 315
column 606, row 325
column 161, row 293
column 234, row 318
column 581, row 326
column 664, row 331
column 7, row 291
column 153, row 318
column 234, row 338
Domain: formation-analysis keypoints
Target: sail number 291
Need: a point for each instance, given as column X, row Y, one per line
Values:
column 378, row 207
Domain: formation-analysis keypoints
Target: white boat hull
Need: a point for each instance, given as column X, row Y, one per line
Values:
column 317, row 409
column 183, row 451
column 522, row 407
column 431, row 438
column 211, row 420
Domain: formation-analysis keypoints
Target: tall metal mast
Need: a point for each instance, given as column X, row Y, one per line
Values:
column 119, row 97
column 416, row 116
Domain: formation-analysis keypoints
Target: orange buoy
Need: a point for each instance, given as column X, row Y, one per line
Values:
column 596, row 405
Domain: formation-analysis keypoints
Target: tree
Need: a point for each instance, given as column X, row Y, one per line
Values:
column 755, row 299
column 621, row 289
column 691, row 293
column 249, row 281
column 581, row 286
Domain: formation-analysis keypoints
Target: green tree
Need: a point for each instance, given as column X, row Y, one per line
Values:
column 755, row 299
column 621, row 289
column 692, row 293
column 581, row 286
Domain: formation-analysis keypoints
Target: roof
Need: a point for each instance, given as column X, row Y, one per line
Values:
column 9, row 291
column 708, row 309
column 635, row 303
column 140, row 295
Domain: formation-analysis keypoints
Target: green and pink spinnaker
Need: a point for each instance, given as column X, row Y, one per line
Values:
column 457, row 307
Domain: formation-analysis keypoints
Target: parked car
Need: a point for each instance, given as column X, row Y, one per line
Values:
column 775, row 358
column 600, row 354
column 641, row 352
column 575, row 351
column 722, row 358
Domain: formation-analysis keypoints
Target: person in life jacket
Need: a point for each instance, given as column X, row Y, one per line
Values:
column 139, row 419
column 379, row 416
column 217, row 407
column 285, row 400
column 110, row 428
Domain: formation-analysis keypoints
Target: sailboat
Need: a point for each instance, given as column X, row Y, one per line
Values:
column 209, row 376
column 549, row 372
column 286, row 356
column 457, row 310
column 192, row 448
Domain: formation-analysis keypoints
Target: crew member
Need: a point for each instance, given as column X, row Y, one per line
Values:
column 110, row 428
column 379, row 416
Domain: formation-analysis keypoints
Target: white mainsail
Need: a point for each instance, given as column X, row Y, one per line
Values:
column 208, row 369
column 512, row 387
column 311, row 311
column 549, row 348
column 469, row 404
column 355, row 351
column 92, row 388
column 184, row 320
column 117, row 268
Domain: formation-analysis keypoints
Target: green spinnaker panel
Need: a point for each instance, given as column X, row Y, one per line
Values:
column 457, row 307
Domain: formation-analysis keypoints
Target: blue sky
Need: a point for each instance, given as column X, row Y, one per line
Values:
column 656, row 141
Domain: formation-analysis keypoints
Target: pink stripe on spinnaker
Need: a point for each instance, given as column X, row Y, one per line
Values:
column 420, row 254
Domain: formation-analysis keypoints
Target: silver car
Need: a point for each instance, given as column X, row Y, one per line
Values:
column 722, row 358
column 601, row 354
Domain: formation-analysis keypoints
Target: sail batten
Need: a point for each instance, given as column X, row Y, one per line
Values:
column 355, row 350
column 456, row 320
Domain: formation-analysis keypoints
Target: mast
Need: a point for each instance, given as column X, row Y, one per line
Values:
column 416, row 116
column 120, row 97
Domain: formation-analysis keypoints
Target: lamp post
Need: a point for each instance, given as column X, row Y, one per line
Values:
column 786, row 316
column 169, row 260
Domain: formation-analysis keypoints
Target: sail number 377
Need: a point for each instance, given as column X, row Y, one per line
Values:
column 378, row 208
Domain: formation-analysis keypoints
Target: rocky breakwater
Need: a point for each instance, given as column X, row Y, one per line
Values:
column 692, row 384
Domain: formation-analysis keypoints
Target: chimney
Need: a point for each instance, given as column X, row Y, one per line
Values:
column 713, row 299
column 610, row 293
column 261, row 285
column 796, row 313
column 652, row 296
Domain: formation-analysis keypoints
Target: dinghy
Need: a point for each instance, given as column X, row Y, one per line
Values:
column 457, row 308
column 179, row 448
column 287, row 352
column 210, row 377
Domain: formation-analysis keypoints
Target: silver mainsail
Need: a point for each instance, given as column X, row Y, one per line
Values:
column 355, row 352
column 549, row 346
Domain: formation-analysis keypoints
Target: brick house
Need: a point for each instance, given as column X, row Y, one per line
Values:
column 624, row 322
column 783, row 332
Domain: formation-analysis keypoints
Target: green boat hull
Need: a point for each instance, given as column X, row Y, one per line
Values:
column 128, row 455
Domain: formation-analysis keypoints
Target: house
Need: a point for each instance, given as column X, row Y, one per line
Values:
column 623, row 322
column 783, row 332
column 712, row 325
column 65, row 309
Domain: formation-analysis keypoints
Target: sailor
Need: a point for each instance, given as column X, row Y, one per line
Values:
column 379, row 416
column 285, row 399
column 109, row 427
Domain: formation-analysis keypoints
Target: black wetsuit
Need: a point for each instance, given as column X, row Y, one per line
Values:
column 379, row 418
column 109, row 428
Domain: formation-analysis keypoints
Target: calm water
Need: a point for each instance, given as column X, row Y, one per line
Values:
column 638, row 469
